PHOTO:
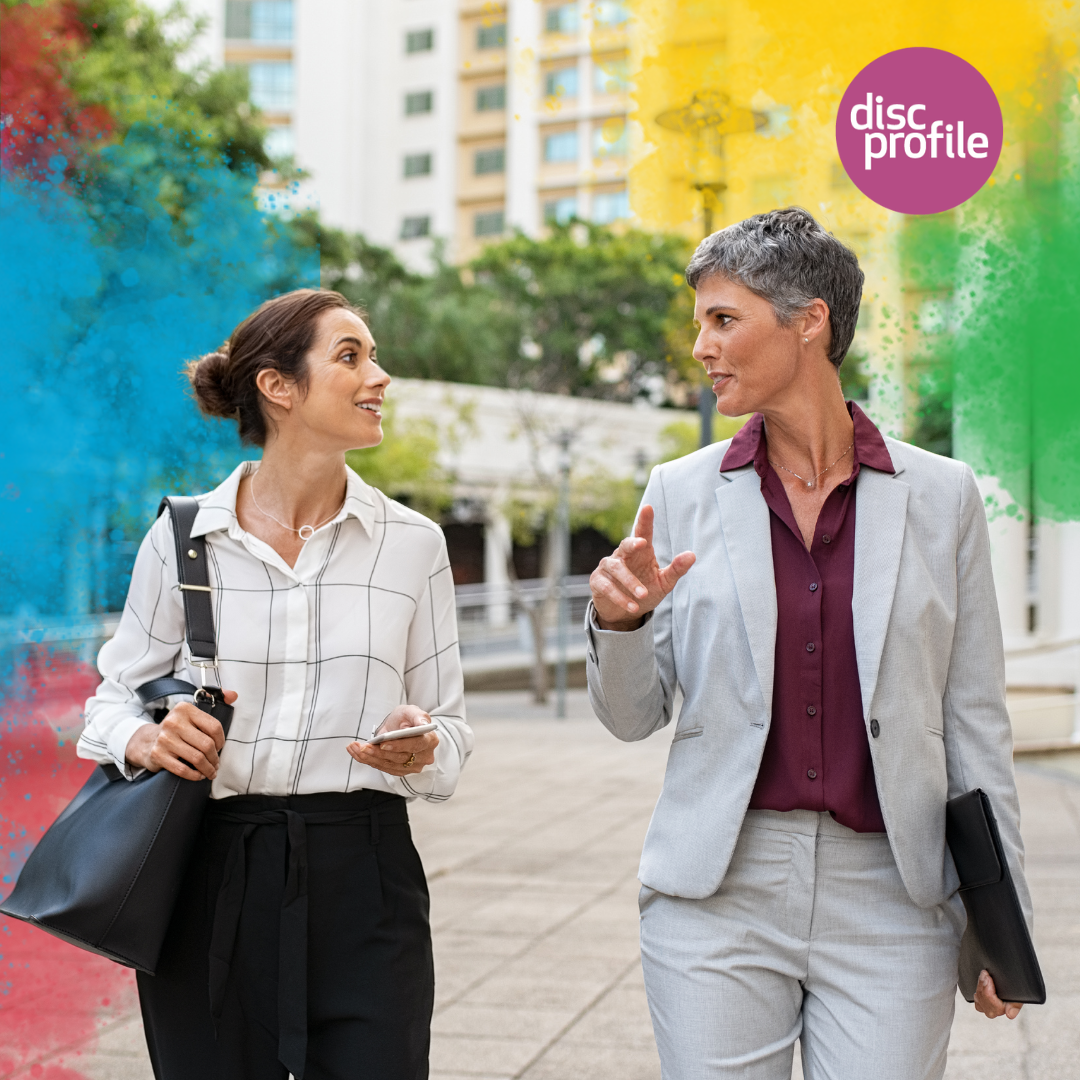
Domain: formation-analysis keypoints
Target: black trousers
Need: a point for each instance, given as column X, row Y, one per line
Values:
column 300, row 942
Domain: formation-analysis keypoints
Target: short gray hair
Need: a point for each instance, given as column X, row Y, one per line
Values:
column 787, row 258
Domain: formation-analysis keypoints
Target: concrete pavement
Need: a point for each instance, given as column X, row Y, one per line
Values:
column 532, row 867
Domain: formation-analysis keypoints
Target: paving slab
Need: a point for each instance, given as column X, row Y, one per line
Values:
column 532, row 867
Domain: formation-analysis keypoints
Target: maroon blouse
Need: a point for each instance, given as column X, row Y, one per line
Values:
column 817, row 756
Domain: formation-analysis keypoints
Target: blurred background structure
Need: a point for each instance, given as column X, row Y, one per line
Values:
column 435, row 120
column 511, row 189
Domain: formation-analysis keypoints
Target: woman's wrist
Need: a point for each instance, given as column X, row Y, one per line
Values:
column 621, row 626
column 139, row 746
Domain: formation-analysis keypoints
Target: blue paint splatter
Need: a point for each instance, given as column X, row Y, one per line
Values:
column 105, row 293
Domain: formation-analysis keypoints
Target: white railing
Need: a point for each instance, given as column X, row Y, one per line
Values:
column 495, row 629
column 493, row 624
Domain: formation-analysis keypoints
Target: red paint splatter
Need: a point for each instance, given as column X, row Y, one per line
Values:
column 40, row 41
column 54, row 998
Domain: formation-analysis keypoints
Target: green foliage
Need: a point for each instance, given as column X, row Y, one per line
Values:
column 933, row 414
column 604, row 503
column 591, row 306
column 682, row 437
column 133, row 66
column 597, row 500
column 854, row 380
column 584, row 311
column 405, row 465
column 433, row 326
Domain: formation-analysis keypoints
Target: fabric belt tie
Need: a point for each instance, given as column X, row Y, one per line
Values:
column 292, row 945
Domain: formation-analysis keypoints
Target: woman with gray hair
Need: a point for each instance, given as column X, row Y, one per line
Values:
column 822, row 596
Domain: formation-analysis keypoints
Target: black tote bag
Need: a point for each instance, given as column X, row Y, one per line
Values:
column 106, row 874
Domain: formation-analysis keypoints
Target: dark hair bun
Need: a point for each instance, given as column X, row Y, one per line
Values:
column 209, row 377
column 277, row 336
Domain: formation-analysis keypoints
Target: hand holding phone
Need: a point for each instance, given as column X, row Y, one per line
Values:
column 396, row 748
column 402, row 733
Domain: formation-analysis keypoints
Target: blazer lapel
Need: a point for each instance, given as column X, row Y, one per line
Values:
column 880, row 518
column 744, row 518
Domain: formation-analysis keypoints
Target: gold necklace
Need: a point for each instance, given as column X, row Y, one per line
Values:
column 811, row 483
column 305, row 532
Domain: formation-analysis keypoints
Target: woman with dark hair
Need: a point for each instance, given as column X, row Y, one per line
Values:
column 822, row 596
column 300, row 941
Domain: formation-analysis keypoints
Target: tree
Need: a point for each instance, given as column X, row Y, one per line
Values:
column 428, row 326
column 41, row 114
column 592, row 305
column 586, row 310
column 405, row 465
column 79, row 76
column 129, row 248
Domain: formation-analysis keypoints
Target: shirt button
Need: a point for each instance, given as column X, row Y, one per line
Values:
column 826, row 539
column 813, row 586
column 875, row 728
column 811, row 774
column 811, row 711
column 809, row 646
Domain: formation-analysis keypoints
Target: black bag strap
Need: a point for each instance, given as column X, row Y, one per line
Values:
column 194, row 578
column 192, row 569
column 156, row 689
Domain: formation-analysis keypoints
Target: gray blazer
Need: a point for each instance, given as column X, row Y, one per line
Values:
column 927, row 639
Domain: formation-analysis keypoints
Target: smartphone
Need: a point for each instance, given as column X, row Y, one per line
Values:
column 402, row 733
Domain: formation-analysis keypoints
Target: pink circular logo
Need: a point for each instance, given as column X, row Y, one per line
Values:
column 919, row 131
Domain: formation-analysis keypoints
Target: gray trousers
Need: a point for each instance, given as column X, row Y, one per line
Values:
column 812, row 935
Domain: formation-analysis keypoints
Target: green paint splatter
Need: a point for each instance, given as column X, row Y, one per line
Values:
column 994, row 294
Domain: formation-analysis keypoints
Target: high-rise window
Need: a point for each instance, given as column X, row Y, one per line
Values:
column 491, row 37
column 561, row 19
column 419, row 41
column 611, row 139
column 560, row 211
column 271, row 84
column 562, row 83
column 259, row 20
column 609, row 13
column 609, row 206
column 490, row 97
column 417, row 164
column 419, row 102
column 490, row 223
column 610, row 76
column 490, row 161
column 412, row 228
column 561, row 147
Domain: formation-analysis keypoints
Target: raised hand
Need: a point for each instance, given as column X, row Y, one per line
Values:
column 629, row 583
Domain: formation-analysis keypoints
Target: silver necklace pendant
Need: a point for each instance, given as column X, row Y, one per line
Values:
column 305, row 532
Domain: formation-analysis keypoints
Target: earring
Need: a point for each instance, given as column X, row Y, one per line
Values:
column 807, row 340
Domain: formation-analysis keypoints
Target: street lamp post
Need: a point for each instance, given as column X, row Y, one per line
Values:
column 562, row 566
column 708, row 119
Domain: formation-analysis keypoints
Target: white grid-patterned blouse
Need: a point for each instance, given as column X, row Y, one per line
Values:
column 319, row 653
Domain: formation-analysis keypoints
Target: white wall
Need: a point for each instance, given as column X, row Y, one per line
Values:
column 494, row 450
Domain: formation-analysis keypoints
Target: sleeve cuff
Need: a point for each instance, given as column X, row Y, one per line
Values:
column 119, row 737
column 599, row 641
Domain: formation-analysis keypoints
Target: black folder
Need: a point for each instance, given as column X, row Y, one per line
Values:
column 997, row 937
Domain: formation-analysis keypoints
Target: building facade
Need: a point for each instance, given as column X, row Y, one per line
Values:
column 418, row 122
column 542, row 117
